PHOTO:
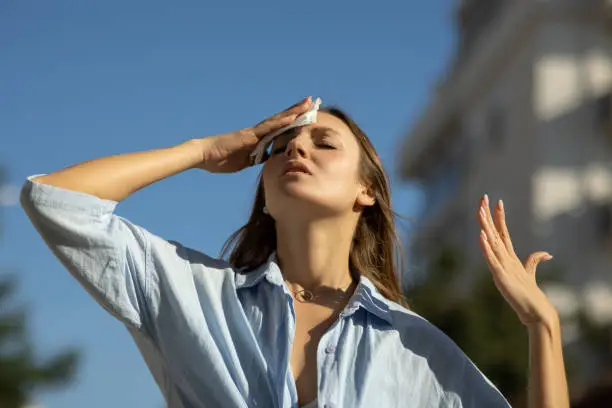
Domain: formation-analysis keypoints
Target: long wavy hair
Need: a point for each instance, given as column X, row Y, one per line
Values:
column 375, row 240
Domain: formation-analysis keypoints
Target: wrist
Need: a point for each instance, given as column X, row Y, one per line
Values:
column 200, row 148
column 547, row 322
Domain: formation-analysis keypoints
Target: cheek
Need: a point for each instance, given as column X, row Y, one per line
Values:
column 340, row 181
column 267, row 181
column 270, row 168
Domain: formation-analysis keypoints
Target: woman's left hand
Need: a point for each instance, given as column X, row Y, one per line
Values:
column 515, row 280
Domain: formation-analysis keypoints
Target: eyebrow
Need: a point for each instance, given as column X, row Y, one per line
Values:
column 326, row 129
column 315, row 131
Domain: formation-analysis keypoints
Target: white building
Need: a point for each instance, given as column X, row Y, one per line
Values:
column 524, row 114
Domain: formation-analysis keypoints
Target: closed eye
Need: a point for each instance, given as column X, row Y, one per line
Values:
column 326, row 146
column 278, row 150
column 321, row 145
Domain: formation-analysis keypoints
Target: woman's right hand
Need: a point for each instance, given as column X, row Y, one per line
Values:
column 230, row 152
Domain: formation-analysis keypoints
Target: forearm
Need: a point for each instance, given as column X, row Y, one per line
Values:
column 547, row 381
column 117, row 177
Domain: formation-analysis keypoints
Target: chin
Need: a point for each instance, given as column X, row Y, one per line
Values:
column 299, row 193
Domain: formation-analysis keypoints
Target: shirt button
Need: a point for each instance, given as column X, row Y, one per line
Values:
column 330, row 349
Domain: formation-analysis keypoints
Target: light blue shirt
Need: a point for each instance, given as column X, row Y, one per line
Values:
column 215, row 337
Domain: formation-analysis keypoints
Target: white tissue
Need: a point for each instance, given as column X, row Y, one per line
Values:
column 306, row 118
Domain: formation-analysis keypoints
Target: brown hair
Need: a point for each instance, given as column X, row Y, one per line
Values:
column 374, row 241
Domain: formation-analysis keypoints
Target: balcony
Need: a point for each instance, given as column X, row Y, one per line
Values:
column 441, row 223
column 425, row 148
column 440, row 189
column 474, row 18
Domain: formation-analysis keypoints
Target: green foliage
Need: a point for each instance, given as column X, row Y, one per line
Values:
column 599, row 339
column 20, row 371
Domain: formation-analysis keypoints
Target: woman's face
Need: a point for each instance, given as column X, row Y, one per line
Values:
column 326, row 159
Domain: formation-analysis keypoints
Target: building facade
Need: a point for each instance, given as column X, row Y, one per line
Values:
column 524, row 113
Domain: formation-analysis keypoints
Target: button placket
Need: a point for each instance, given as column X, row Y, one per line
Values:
column 327, row 354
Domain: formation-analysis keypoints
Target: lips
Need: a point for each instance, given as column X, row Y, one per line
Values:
column 294, row 166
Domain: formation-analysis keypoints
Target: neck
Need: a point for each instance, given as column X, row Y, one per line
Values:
column 316, row 253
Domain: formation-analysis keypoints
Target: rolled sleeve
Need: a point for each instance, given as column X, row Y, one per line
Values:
column 106, row 253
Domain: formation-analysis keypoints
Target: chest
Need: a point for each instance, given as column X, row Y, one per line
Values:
column 311, row 323
column 264, row 350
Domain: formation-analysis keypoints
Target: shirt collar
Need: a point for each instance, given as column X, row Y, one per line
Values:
column 366, row 295
column 268, row 270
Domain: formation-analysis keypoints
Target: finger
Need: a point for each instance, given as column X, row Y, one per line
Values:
column 272, row 124
column 306, row 102
column 533, row 260
column 502, row 227
column 489, row 255
column 283, row 118
column 296, row 109
column 487, row 209
column 487, row 225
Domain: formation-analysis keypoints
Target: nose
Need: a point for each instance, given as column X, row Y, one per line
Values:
column 295, row 148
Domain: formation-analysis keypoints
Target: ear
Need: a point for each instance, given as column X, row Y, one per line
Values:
column 365, row 197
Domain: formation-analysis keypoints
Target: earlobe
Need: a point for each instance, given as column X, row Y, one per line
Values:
column 369, row 202
column 365, row 199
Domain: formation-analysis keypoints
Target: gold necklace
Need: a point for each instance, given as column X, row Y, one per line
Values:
column 305, row 295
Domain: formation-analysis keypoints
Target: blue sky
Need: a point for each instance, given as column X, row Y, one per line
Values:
column 81, row 80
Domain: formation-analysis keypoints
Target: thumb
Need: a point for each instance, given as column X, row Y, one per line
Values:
column 532, row 261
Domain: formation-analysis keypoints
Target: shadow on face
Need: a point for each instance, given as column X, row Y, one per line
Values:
column 328, row 181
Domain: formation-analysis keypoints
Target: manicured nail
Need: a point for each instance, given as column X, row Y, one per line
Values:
column 501, row 205
column 486, row 198
column 548, row 257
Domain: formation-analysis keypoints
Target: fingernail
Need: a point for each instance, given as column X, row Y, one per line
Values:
column 486, row 198
column 501, row 205
column 548, row 257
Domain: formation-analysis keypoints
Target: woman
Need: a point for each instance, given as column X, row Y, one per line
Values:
column 308, row 310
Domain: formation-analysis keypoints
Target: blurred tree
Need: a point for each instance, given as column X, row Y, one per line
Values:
column 597, row 336
column 594, row 349
column 20, row 371
column 598, row 395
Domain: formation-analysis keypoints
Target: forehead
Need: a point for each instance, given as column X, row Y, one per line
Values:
column 328, row 120
column 326, row 123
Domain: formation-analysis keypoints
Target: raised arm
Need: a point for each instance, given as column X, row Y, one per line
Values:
column 116, row 177
column 121, row 264
column 547, row 382
column 517, row 283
